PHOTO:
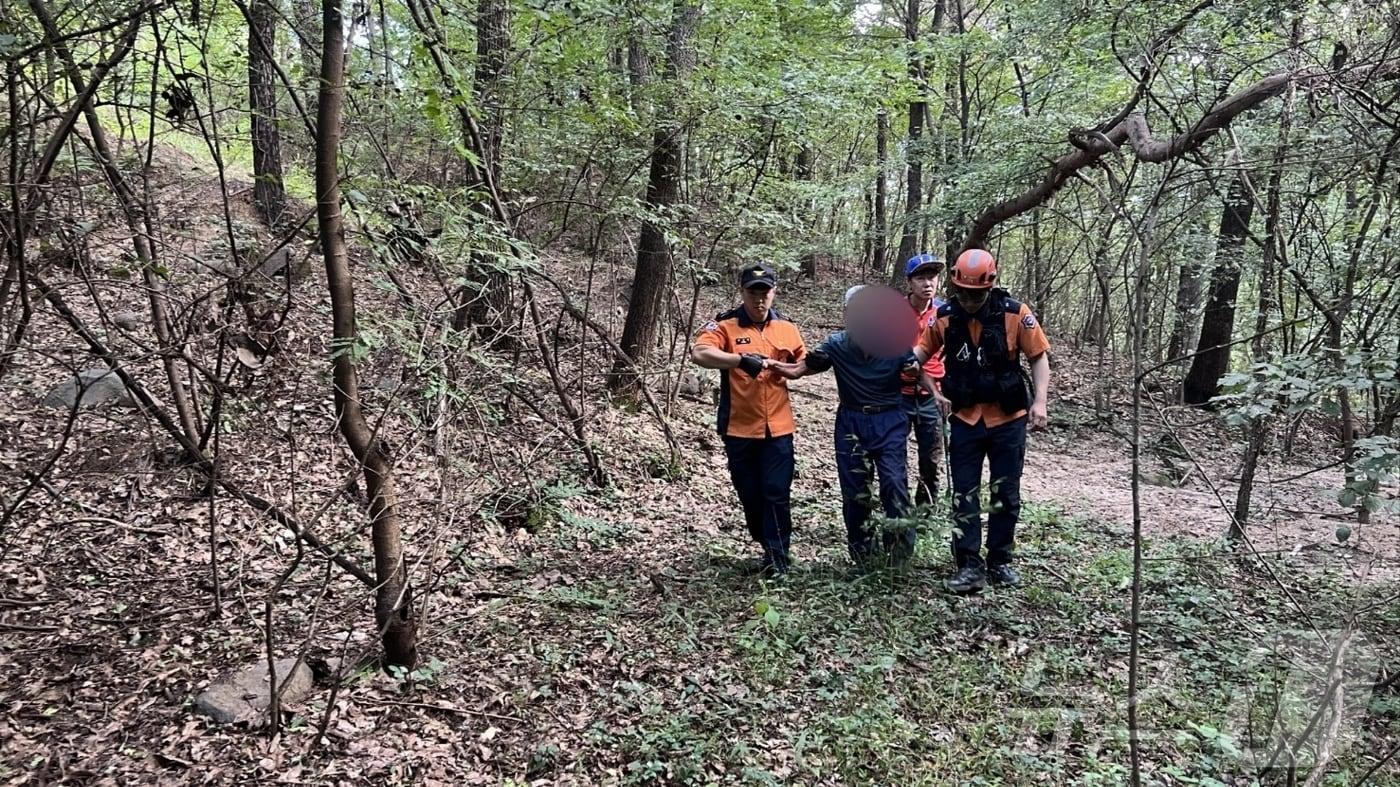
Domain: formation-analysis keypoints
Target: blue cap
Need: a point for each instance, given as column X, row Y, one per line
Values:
column 920, row 261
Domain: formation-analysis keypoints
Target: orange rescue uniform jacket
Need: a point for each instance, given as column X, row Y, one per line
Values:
column 754, row 406
column 1023, row 334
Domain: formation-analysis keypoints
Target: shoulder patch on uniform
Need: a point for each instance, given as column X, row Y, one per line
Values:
column 711, row 327
column 1028, row 320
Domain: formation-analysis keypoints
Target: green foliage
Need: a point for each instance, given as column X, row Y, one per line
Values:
column 863, row 680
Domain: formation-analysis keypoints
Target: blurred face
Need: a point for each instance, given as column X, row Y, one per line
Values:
column 971, row 299
column 924, row 284
column 757, row 301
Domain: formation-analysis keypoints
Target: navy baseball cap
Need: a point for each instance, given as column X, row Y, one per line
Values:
column 758, row 274
column 920, row 261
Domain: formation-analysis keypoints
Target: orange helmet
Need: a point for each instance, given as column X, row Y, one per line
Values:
column 975, row 269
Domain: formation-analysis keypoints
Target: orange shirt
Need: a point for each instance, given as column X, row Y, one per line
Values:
column 754, row 406
column 934, row 365
column 1023, row 335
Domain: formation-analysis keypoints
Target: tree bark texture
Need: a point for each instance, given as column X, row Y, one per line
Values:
column 1188, row 299
column 805, row 171
column 1212, row 358
column 492, row 45
column 393, row 608
column 653, row 272
column 880, row 222
column 269, row 197
column 486, row 302
column 914, row 167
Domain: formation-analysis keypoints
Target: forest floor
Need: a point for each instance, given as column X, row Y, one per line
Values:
column 623, row 638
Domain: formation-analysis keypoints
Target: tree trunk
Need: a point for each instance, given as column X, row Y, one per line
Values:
column 914, row 167
column 1188, row 299
column 638, row 64
column 306, row 15
column 806, row 164
column 1346, row 297
column 393, row 608
column 653, row 274
column 880, row 221
column 1212, row 358
column 1273, row 252
column 486, row 301
column 269, row 198
column 492, row 46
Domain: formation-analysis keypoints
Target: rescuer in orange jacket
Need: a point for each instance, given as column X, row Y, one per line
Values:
column 755, row 415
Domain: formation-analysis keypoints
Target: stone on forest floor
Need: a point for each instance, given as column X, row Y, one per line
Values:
column 128, row 321
column 89, row 388
column 246, row 694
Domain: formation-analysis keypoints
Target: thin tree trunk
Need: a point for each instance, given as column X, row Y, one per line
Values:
column 638, row 61
column 1273, row 252
column 269, row 197
column 867, row 243
column 486, row 301
column 880, row 221
column 914, row 166
column 806, row 164
column 134, row 210
column 1188, row 298
column 306, row 16
column 23, row 209
column 393, row 608
column 16, row 267
column 1351, row 428
column 653, row 272
column 1212, row 358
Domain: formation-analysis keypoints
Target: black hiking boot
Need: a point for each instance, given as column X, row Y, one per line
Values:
column 969, row 579
column 1003, row 575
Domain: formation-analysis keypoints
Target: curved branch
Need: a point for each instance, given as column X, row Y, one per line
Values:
column 1134, row 131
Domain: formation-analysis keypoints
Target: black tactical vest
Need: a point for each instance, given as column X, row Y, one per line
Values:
column 982, row 372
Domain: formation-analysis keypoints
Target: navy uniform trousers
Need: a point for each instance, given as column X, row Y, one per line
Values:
column 874, row 444
column 1004, row 449
column 925, row 421
column 761, row 469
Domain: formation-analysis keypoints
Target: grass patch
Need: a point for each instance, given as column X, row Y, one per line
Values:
column 884, row 678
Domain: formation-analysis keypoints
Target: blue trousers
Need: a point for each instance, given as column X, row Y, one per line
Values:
column 761, row 469
column 867, row 445
column 926, row 422
column 1004, row 449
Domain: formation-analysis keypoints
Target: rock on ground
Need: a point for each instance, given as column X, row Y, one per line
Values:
column 89, row 388
column 245, row 695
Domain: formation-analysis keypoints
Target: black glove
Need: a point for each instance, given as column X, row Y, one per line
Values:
column 751, row 363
